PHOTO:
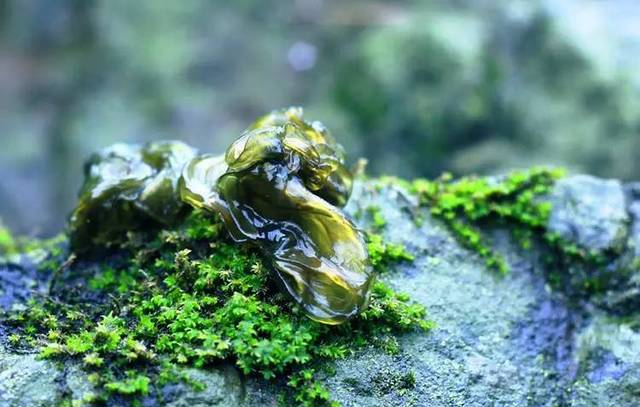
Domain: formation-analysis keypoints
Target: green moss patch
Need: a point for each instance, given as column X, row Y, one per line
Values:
column 189, row 297
column 465, row 204
column 518, row 202
column 7, row 241
column 384, row 255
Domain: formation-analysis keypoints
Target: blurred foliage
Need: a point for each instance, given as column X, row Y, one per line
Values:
column 465, row 93
column 416, row 87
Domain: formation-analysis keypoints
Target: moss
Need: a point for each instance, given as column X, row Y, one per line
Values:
column 46, row 252
column 134, row 383
column 517, row 202
column 388, row 380
column 189, row 297
column 378, row 221
column 12, row 245
column 7, row 242
column 110, row 279
column 65, row 402
column 468, row 203
column 384, row 254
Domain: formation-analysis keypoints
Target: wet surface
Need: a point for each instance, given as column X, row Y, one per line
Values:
column 19, row 282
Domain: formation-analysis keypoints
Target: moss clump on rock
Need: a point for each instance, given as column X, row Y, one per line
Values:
column 12, row 246
column 190, row 297
column 466, row 204
column 535, row 208
column 384, row 254
column 7, row 241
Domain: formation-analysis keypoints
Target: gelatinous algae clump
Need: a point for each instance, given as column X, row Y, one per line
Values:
column 128, row 187
column 278, row 186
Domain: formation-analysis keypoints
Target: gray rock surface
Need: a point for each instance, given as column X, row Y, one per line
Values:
column 609, row 354
column 499, row 341
column 26, row 381
column 77, row 383
column 590, row 212
column 224, row 389
column 633, row 197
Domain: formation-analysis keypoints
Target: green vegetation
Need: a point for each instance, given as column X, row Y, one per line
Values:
column 456, row 66
column 7, row 242
column 10, row 244
column 453, row 78
column 465, row 204
column 516, row 201
column 189, row 297
column 387, row 381
column 383, row 254
column 47, row 251
column 377, row 219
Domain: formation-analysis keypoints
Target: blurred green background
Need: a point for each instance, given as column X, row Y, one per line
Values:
column 417, row 87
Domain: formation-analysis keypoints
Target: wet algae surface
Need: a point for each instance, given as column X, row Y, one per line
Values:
column 321, row 289
column 278, row 186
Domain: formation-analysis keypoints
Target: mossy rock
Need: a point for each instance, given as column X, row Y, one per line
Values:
column 514, row 338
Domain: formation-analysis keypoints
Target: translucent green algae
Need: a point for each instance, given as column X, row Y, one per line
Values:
column 280, row 186
column 126, row 188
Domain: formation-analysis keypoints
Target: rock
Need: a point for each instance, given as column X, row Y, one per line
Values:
column 499, row 341
column 223, row 389
column 623, row 290
column 590, row 212
column 18, row 281
column 78, row 385
column 608, row 353
column 633, row 196
column 26, row 381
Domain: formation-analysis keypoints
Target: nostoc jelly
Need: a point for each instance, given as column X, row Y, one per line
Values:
column 128, row 187
column 279, row 186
